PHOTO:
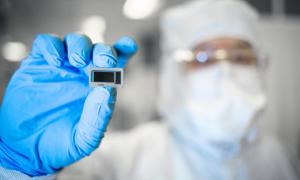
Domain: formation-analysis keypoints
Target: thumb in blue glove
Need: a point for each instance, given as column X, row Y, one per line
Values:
column 100, row 102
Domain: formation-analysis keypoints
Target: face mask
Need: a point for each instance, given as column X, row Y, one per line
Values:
column 222, row 102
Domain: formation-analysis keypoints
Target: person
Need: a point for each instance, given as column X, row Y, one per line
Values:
column 212, row 95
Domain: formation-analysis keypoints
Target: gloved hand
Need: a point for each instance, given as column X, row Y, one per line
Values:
column 50, row 117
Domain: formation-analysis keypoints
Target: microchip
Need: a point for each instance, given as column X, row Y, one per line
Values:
column 106, row 77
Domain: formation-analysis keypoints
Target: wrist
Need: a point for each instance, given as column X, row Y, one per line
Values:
column 8, row 158
column 13, row 174
column 12, row 160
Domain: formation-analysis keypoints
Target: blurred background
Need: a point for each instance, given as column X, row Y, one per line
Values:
column 107, row 20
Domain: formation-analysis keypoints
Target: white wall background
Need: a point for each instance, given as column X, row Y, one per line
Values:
column 281, row 38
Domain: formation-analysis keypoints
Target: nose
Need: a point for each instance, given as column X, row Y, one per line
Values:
column 225, row 69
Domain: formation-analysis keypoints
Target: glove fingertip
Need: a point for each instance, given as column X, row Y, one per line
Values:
column 103, row 56
column 77, row 61
column 49, row 47
column 126, row 46
column 79, row 49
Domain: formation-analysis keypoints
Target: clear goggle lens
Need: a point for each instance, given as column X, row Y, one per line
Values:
column 202, row 58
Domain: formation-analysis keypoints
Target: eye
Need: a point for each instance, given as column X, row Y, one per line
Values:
column 202, row 57
column 243, row 57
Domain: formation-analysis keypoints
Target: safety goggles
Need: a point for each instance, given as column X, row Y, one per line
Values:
column 202, row 58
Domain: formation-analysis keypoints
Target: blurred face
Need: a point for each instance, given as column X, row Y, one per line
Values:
column 214, row 51
column 222, row 100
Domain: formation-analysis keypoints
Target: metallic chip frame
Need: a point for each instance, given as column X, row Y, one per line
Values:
column 117, row 81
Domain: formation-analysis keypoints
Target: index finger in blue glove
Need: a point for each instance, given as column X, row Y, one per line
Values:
column 49, row 47
column 79, row 49
column 103, row 56
column 126, row 47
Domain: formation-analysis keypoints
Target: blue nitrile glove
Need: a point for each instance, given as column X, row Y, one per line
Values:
column 50, row 117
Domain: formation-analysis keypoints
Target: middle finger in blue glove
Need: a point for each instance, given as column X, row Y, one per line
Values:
column 79, row 48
